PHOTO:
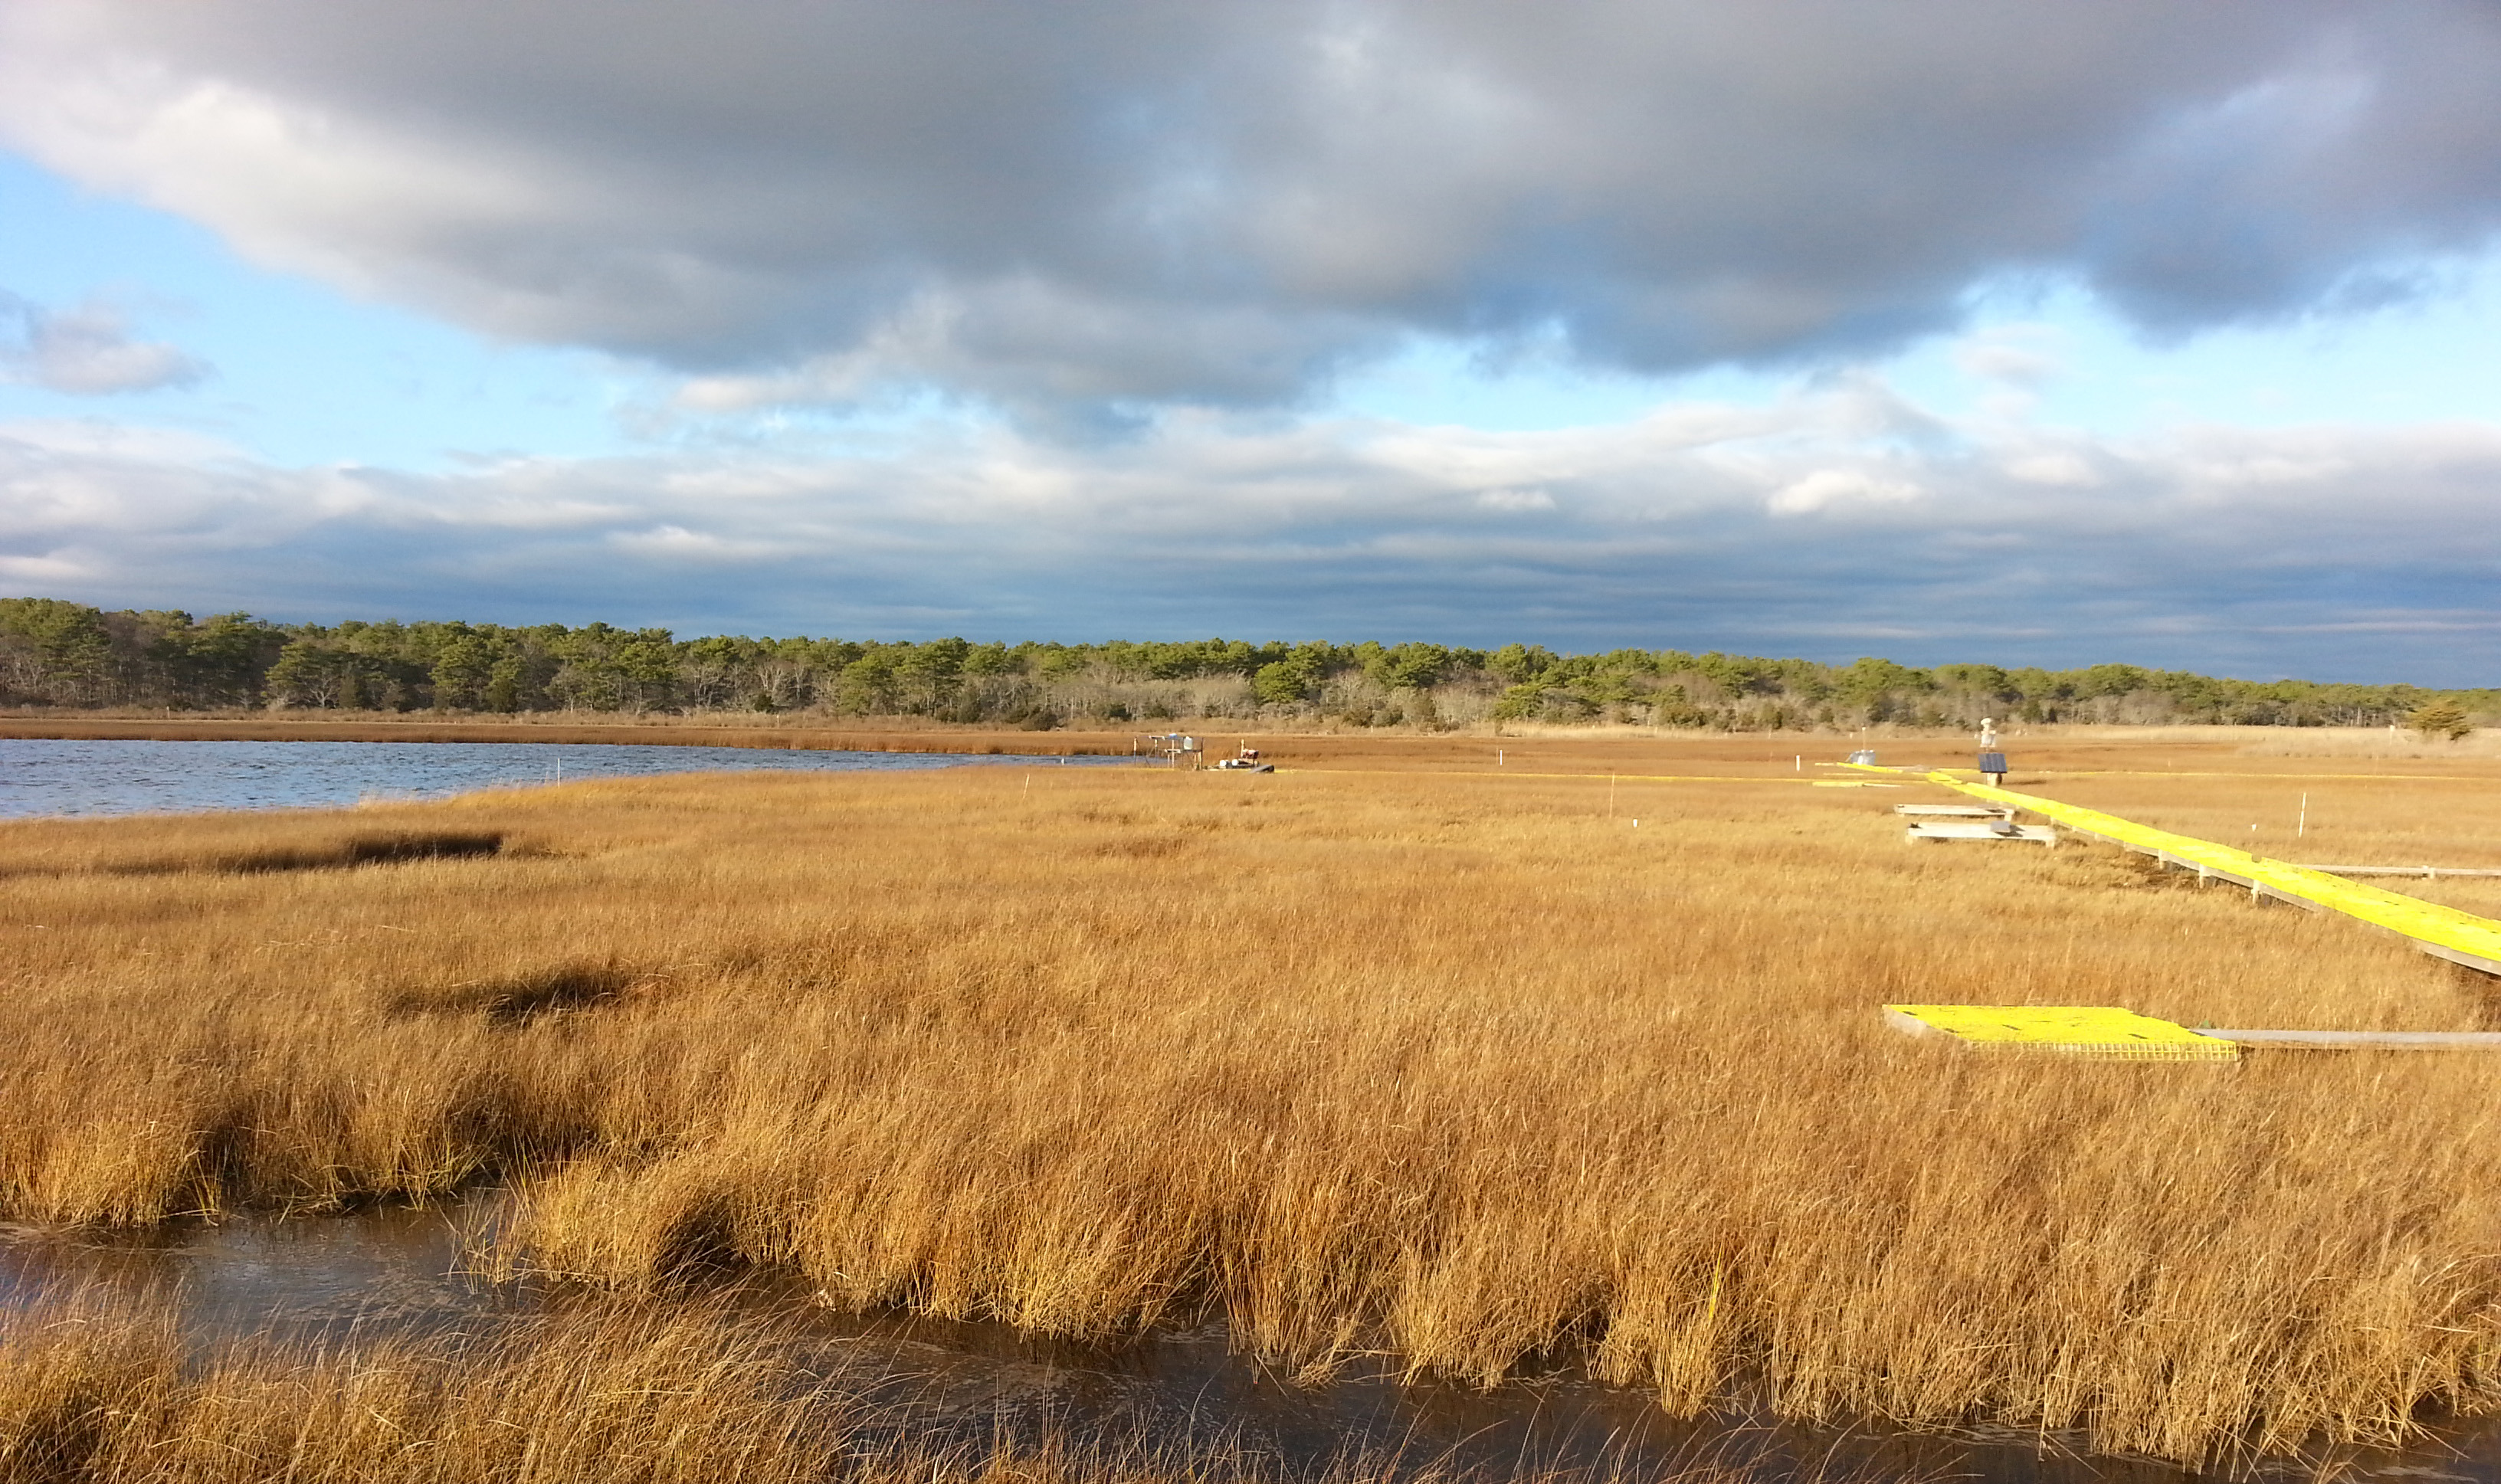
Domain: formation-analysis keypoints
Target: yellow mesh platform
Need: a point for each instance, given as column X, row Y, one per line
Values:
column 2445, row 929
column 2095, row 1033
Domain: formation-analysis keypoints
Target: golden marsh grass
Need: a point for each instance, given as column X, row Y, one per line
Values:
column 103, row 1389
column 1464, row 1070
column 99, row 1389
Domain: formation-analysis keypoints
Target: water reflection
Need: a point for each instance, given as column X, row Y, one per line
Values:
column 397, row 1273
column 48, row 776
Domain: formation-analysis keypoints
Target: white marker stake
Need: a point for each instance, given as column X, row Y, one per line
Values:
column 2303, row 828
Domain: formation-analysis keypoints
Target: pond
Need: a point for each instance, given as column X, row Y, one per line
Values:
column 46, row 777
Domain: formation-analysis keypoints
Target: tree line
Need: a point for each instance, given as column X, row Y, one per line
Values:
column 68, row 655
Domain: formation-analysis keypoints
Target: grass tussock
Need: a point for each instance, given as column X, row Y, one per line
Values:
column 308, row 849
column 370, row 850
column 1463, row 1072
column 518, row 999
column 97, row 1390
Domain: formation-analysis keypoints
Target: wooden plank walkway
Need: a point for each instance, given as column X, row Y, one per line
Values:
column 2363, row 1041
column 2427, row 872
column 2002, row 828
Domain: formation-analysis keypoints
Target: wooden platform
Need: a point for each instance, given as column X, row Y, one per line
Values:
column 1957, row 811
column 2000, row 829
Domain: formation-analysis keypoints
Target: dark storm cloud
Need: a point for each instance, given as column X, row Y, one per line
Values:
column 1083, row 204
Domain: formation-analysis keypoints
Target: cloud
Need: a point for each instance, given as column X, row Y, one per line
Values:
column 1095, row 207
column 2017, row 355
column 2053, row 466
column 1516, row 500
column 86, row 351
column 1830, row 488
column 1807, row 528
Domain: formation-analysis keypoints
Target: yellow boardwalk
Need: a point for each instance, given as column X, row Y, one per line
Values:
column 2462, row 938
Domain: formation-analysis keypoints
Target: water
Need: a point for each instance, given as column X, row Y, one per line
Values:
column 46, row 776
column 381, row 1274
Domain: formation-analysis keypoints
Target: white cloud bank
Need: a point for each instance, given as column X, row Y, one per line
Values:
column 85, row 351
column 1804, row 528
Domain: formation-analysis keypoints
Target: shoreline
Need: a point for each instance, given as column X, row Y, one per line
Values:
column 1516, row 748
column 674, row 731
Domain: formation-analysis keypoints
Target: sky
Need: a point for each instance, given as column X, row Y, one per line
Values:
column 1993, row 330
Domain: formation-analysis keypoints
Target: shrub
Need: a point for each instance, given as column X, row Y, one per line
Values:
column 2443, row 719
column 1283, row 683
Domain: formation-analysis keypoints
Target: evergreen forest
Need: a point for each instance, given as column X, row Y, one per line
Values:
column 57, row 654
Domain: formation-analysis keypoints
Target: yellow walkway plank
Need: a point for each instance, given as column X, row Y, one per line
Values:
column 2109, row 1033
column 2091, row 1031
column 2462, row 938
